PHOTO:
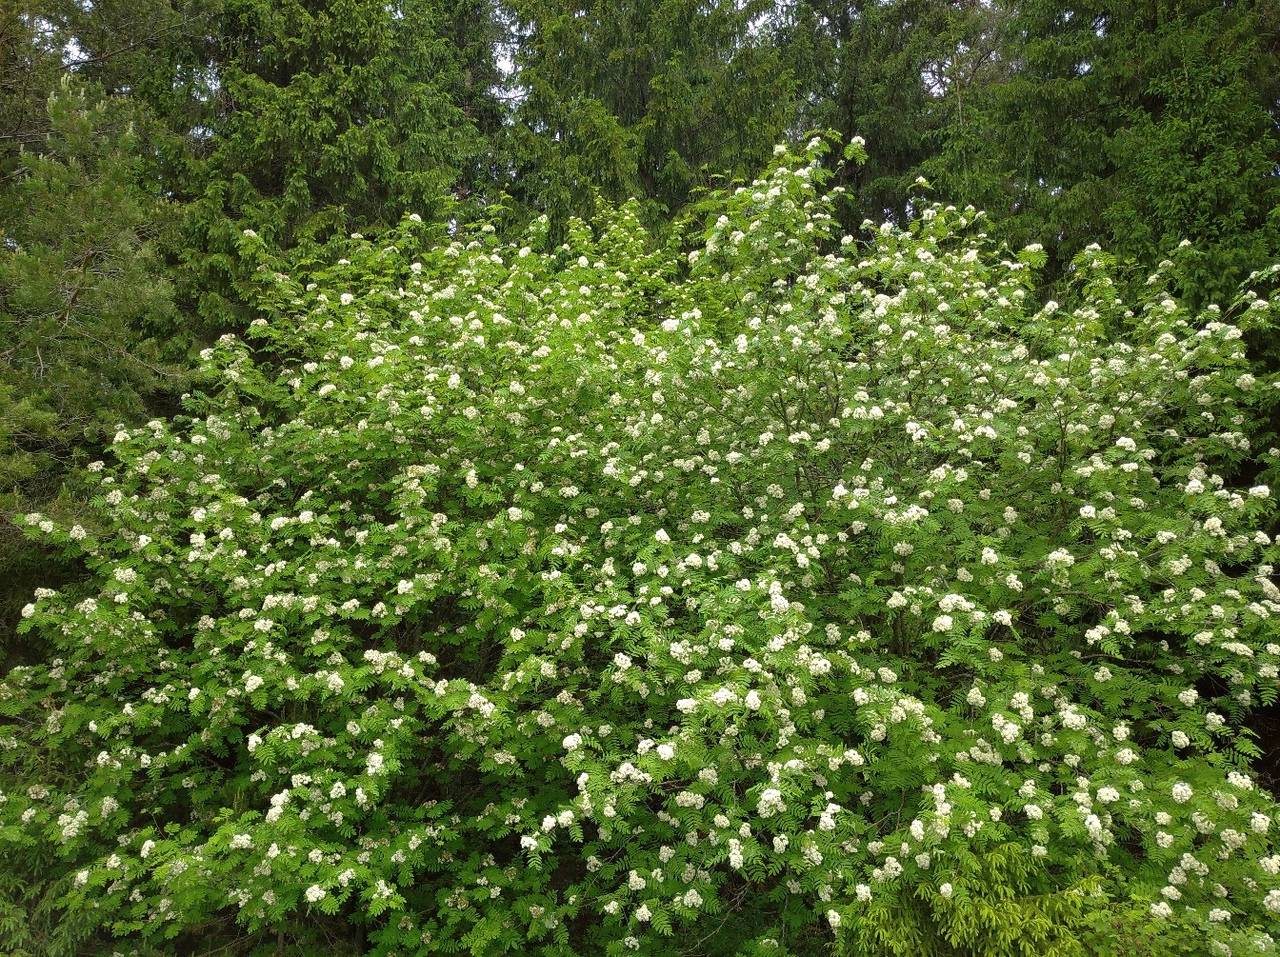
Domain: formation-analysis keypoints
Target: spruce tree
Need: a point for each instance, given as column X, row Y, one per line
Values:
column 1137, row 127
column 644, row 98
column 329, row 116
column 870, row 69
column 88, row 331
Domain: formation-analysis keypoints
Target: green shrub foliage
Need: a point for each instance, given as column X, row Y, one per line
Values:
column 758, row 592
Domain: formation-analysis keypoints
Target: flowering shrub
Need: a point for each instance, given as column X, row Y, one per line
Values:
column 762, row 592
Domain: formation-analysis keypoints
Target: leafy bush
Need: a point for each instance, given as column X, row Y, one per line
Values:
column 756, row 593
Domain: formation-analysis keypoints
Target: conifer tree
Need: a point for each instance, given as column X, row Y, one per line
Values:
column 333, row 115
column 1136, row 127
column 88, row 331
column 870, row 69
column 644, row 98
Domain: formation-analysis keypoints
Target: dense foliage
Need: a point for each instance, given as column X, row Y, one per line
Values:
column 750, row 592
column 1135, row 126
column 122, row 195
column 331, row 116
column 649, row 99
column 880, row 70
column 88, row 329
column 727, row 576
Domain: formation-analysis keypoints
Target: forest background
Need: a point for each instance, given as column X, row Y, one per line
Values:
column 139, row 139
